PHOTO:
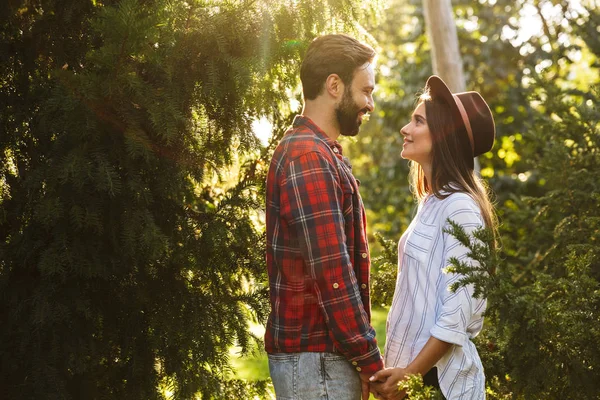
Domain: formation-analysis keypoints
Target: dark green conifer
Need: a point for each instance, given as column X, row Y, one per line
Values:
column 128, row 264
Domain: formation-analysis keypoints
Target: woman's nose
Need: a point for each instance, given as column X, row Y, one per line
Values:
column 404, row 131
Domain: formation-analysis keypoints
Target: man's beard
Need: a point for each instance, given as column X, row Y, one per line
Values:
column 347, row 115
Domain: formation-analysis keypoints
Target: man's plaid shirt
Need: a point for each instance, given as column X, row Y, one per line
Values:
column 317, row 252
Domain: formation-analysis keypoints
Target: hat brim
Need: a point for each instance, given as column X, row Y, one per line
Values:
column 438, row 89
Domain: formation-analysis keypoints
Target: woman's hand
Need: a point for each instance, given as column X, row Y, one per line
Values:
column 384, row 383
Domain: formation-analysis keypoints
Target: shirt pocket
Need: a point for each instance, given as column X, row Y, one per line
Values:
column 348, row 196
column 419, row 243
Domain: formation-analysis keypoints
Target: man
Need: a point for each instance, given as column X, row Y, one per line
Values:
column 319, row 337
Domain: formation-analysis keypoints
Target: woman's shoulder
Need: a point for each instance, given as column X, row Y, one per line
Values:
column 460, row 199
column 459, row 205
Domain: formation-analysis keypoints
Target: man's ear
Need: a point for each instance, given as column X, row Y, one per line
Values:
column 334, row 86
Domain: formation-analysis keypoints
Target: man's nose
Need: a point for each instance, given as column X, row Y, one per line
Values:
column 370, row 104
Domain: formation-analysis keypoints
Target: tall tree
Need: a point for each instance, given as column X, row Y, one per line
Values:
column 446, row 58
column 441, row 31
column 124, row 271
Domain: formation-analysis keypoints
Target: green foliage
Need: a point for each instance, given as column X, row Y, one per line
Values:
column 383, row 283
column 542, row 317
column 129, row 265
column 415, row 389
column 480, row 250
column 239, row 389
column 131, row 261
column 543, row 285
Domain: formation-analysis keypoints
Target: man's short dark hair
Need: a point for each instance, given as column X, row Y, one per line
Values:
column 332, row 54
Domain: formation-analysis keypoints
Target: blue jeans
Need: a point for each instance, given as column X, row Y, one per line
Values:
column 313, row 376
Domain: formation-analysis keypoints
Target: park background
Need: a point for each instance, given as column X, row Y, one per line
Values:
column 134, row 141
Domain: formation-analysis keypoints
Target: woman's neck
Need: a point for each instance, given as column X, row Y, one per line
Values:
column 427, row 172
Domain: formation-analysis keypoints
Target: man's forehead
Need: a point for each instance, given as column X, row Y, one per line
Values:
column 365, row 74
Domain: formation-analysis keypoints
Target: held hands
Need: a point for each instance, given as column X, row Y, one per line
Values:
column 365, row 385
column 384, row 383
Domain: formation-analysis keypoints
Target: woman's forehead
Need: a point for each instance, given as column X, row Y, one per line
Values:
column 420, row 109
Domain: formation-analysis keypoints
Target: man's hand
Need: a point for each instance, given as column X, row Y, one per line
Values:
column 365, row 388
column 384, row 383
column 375, row 388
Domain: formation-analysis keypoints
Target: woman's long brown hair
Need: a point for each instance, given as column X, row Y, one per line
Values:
column 450, row 169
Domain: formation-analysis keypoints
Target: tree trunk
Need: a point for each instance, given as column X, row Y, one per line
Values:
column 441, row 30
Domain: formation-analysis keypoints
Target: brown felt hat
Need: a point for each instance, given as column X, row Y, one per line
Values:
column 470, row 110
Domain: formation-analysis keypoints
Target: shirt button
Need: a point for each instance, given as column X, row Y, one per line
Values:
column 364, row 255
column 354, row 363
column 335, row 150
column 363, row 286
column 358, row 369
column 335, row 285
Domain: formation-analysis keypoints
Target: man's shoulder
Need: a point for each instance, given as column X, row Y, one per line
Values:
column 299, row 141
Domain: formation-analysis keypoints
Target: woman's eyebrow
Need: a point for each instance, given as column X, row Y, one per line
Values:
column 416, row 115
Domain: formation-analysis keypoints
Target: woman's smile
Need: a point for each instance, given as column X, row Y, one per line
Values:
column 416, row 134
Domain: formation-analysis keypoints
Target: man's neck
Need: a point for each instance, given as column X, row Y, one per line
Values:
column 323, row 115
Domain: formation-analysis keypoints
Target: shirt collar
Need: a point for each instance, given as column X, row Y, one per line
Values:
column 300, row 120
column 449, row 188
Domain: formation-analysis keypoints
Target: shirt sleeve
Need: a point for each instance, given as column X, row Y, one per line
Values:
column 461, row 314
column 315, row 200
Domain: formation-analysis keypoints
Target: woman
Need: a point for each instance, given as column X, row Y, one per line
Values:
column 428, row 325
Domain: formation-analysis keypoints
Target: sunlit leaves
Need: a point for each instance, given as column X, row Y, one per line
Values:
column 139, row 271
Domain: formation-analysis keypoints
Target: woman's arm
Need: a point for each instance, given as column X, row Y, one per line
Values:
column 431, row 353
column 385, row 382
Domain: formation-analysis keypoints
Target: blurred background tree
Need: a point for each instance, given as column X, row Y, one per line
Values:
column 541, row 81
column 131, row 184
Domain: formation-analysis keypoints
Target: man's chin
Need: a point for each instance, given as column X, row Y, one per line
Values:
column 350, row 133
column 354, row 131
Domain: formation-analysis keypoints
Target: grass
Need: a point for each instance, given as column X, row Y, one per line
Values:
column 256, row 366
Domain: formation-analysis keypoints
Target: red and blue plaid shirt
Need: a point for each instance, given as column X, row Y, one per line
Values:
column 317, row 252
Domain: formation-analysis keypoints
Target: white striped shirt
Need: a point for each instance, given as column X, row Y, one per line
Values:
column 423, row 306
